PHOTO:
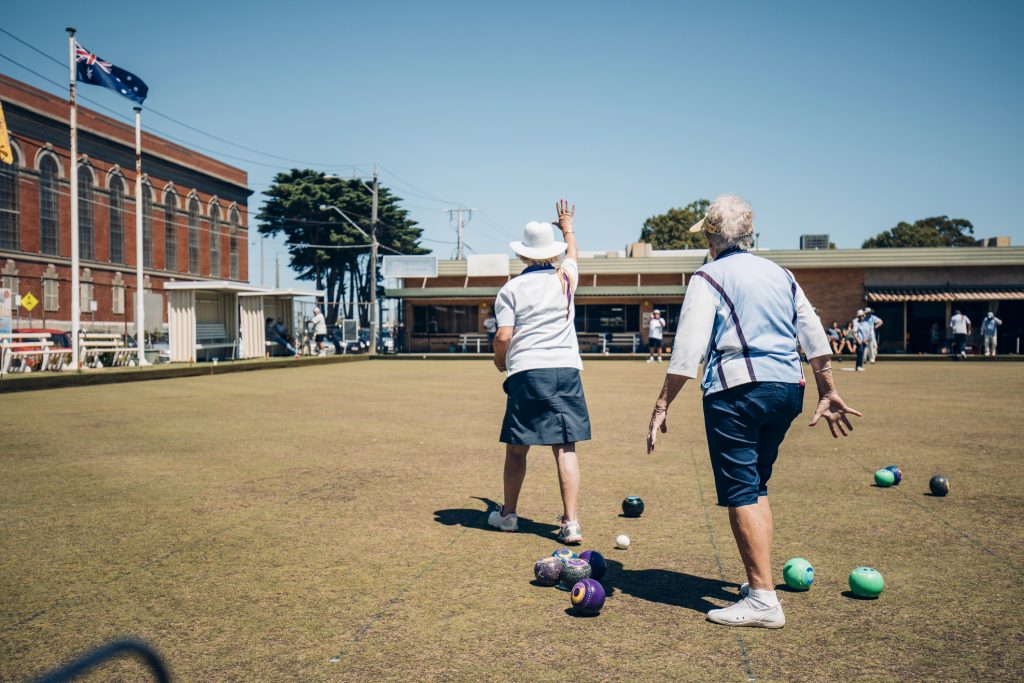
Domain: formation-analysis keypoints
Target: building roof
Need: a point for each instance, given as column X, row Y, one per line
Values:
column 948, row 293
column 628, row 292
column 240, row 288
column 793, row 259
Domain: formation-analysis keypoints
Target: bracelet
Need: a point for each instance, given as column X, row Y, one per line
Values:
column 826, row 368
column 568, row 232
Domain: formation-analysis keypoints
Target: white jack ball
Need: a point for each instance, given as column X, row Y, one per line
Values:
column 622, row 542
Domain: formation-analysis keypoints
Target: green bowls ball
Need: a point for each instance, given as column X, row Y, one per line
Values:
column 866, row 582
column 885, row 478
column 798, row 574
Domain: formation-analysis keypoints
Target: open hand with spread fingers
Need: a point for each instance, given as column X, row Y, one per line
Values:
column 659, row 422
column 565, row 215
column 835, row 411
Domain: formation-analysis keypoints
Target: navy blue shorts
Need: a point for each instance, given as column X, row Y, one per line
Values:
column 545, row 406
column 745, row 426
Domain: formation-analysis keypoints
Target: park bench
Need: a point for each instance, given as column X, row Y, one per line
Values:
column 630, row 340
column 20, row 351
column 211, row 336
column 467, row 339
column 93, row 345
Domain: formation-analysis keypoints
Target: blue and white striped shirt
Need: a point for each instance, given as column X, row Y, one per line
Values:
column 744, row 315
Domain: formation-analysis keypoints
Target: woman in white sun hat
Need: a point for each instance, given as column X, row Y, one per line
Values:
column 536, row 345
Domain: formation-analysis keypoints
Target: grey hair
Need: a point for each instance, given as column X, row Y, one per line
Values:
column 735, row 220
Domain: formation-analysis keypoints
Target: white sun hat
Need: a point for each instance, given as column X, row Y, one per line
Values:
column 538, row 242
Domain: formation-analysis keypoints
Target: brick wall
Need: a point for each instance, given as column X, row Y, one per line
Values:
column 836, row 293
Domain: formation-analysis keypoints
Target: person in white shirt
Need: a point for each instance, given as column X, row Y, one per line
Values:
column 989, row 332
column 491, row 328
column 319, row 326
column 744, row 315
column 876, row 324
column 536, row 346
column 960, row 326
column 655, row 333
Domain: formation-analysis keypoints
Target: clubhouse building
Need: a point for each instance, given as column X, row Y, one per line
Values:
column 910, row 289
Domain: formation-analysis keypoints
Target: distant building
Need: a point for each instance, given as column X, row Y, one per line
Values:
column 993, row 242
column 814, row 242
column 195, row 213
column 910, row 289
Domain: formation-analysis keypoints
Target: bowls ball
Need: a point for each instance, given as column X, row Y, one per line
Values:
column 572, row 571
column 598, row 565
column 885, row 477
column 547, row 570
column 587, row 596
column 939, row 485
column 798, row 574
column 633, row 506
column 866, row 582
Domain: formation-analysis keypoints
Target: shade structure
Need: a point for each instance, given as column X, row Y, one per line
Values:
column 899, row 294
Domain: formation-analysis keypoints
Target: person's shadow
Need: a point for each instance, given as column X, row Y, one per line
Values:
column 474, row 518
column 670, row 587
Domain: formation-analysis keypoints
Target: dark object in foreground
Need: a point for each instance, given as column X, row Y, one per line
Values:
column 939, row 485
column 109, row 651
column 633, row 506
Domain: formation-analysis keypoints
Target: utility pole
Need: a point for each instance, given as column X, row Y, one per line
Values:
column 277, row 271
column 457, row 215
column 262, row 237
column 373, row 265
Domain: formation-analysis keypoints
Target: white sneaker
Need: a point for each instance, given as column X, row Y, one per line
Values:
column 650, row 360
column 570, row 533
column 860, row 369
column 742, row 613
column 659, row 360
column 509, row 522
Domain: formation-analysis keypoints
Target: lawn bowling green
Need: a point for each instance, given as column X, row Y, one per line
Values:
column 250, row 536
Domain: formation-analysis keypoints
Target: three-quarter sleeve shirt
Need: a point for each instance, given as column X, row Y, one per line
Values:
column 744, row 316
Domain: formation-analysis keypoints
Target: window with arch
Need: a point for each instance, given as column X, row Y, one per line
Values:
column 193, row 234
column 86, row 243
column 236, row 225
column 116, row 219
column 49, row 206
column 170, row 230
column 215, row 239
column 10, row 237
column 147, row 225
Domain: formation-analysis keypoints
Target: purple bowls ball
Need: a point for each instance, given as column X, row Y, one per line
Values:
column 598, row 566
column 587, row 596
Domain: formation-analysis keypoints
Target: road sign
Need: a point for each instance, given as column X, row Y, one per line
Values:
column 28, row 301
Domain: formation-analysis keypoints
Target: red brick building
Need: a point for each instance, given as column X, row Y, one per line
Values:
column 195, row 214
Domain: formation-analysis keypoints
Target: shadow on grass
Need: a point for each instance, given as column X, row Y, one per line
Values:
column 579, row 615
column 854, row 596
column 669, row 587
column 477, row 519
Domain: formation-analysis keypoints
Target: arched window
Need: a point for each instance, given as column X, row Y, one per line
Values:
column 215, row 238
column 49, row 206
column 86, row 245
column 116, row 219
column 10, row 237
column 170, row 230
column 236, row 226
column 147, row 225
column 193, row 234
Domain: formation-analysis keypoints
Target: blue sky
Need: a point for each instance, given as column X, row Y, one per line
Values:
column 837, row 118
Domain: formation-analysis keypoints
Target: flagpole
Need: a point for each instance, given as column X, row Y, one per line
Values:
column 76, row 296
column 140, row 310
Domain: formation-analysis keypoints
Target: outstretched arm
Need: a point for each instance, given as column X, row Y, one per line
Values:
column 669, row 390
column 565, row 216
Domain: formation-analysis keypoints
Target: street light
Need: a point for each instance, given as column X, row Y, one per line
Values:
column 373, row 259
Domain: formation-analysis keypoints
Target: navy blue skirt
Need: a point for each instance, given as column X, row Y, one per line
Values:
column 545, row 406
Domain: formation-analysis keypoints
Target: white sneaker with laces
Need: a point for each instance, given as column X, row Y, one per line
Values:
column 742, row 613
column 570, row 533
column 509, row 522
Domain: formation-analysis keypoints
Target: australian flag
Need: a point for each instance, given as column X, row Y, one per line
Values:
column 91, row 69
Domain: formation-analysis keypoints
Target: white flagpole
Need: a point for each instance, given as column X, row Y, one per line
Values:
column 140, row 311
column 76, row 296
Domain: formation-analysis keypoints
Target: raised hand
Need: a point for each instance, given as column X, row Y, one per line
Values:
column 565, row 215
column 835, row 411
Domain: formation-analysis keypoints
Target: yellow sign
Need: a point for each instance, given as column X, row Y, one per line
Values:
column 6, row 155
column 29, row 302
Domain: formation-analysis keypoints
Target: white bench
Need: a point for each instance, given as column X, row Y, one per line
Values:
column 26, row 346
column 92, row 345
column 465, row 340
column 630, row 339
column 213, row 336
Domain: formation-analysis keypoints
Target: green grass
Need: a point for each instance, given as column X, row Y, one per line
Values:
column 254, row 526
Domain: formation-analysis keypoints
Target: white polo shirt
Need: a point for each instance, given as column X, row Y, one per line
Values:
column 543, row 318
column 655, row 328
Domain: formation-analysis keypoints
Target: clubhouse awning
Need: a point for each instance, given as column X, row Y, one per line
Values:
column 625, row 291
column 949, row 293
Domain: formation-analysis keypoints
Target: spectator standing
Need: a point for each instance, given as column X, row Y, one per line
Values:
column 655, row 335
column 960, row 326
column 491, row 327
column 863, row 331
column 876, row 323
column 989, row 332
column 319, row 325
